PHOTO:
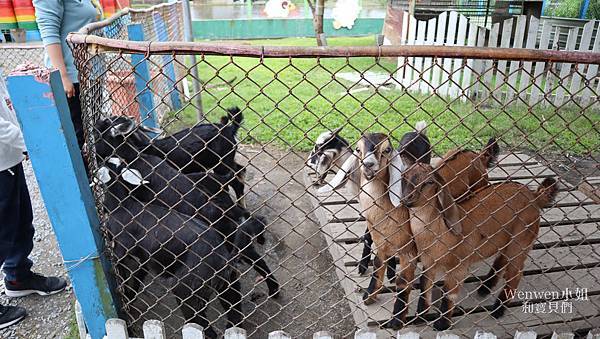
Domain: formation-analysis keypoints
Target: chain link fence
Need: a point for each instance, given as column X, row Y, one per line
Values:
column 272, row 212
column 12, row 55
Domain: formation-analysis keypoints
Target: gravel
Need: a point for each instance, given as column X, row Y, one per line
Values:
column 50, row 316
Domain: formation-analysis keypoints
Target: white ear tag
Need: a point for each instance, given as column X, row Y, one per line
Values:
column 133, row 177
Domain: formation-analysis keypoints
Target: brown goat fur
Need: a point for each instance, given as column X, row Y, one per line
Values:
column 501, row 219
column 389, row 225
column 468, row 169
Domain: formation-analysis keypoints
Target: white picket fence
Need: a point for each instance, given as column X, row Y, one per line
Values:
column 531, row 81
column 154, row 329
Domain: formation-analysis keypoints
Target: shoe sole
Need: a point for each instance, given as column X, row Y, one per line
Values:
column 23, row 293
column 12, row 322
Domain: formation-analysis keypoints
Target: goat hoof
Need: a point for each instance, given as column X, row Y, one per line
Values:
column 483, row 290
column 368, row 299
column 393, row 324
column 210, row 333
column 274, row 294
column 441, row 324
column 422, row 307
column 362, row 268
column 498, row 309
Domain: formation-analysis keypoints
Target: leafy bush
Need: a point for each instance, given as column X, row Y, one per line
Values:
column 564, row 8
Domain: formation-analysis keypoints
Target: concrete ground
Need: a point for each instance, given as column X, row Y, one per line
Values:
column 51, row 316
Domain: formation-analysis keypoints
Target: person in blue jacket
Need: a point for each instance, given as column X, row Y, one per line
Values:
column 16, row 216
column 55, row 20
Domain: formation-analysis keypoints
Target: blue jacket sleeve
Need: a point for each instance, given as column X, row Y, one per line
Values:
column 49, row 17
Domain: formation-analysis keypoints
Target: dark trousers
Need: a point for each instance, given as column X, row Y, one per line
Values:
column 16, row 230
column 75, row 108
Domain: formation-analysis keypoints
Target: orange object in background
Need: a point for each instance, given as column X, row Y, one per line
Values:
column 110, row 7
column 25, row 14
column 8, row 18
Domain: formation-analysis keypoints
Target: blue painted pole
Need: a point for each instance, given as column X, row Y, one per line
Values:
column 584, row 9
column 168, row 68
column 544, row 4
column 41, row 105
column 142, row 79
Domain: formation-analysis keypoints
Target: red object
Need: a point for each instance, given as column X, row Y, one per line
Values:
column 110, row 7
column 121, row 89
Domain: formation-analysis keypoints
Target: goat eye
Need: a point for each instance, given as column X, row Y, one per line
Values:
column 387, row 150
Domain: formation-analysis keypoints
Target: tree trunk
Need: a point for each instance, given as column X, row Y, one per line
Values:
column 317, row 9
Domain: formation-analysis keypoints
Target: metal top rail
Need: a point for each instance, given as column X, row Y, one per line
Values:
column 87, row 29
column 101, row 44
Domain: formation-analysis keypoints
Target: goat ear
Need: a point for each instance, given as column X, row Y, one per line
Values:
column 349, row 166
column 151, row 129
column 450, row 211
column 396, row 167
column 337, row 130
column 115, row 161
column 133, row 177
column 102, row 176
column 122, row 128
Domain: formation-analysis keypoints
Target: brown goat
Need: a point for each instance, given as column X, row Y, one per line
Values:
column 501, row 219
column 387, row 223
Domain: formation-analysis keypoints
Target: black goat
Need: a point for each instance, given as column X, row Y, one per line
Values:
column 199, row 148
column 165, row 186
column 151, row 239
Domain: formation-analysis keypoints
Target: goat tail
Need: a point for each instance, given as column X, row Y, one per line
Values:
column 234, row 116
column 546, row 192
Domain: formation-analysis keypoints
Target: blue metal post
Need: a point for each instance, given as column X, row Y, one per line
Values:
column 162, row 35
column 41, row 105
column 584, row 9
column 142, row 79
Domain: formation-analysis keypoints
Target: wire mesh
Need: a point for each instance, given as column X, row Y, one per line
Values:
column 13, row 55
column 223, row 222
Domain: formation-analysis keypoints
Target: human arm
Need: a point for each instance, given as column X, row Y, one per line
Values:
column 49, row 17
column 10, row 134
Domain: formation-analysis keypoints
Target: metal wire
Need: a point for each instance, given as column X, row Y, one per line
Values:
column 542, row 110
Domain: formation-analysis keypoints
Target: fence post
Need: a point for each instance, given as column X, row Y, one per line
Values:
column 135, row 32
column 41, row 105
column 584, row 9
column 161, row 33
column 189, row 36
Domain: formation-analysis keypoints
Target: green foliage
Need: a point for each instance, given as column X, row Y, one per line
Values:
column 593, row 12
column 564, row 8
column 287, row 103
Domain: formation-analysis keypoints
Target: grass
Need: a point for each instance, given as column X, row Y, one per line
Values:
column 289, row 102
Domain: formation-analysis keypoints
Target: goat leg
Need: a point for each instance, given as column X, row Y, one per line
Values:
column 363, row 264
column 253, row 258
column 493, row 276
column 444, row 320
column 231, row 300
column 426, row 282
column 370, row 296
column 193, row 307
column 404, row 282
column 513, row 275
